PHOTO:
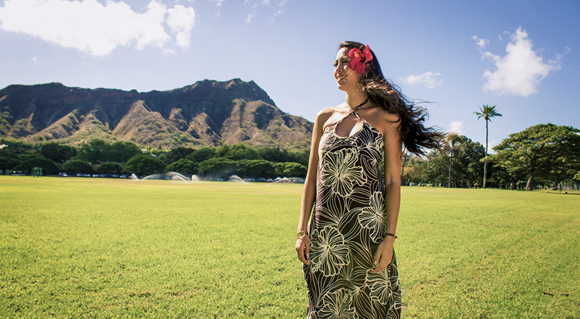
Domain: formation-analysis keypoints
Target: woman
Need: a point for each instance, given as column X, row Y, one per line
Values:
column 347, row 248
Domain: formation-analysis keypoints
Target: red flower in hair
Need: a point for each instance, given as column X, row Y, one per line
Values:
column 358, row 59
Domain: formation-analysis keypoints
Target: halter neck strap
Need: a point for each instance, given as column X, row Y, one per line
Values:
column 353, row 111
column 363, row 103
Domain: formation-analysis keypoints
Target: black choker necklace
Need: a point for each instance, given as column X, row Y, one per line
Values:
column 363, row 103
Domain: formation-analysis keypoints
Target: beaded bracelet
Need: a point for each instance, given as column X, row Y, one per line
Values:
column 392, row 235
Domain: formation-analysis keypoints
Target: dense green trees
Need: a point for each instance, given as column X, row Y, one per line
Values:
column 562, row 169
column 255, row 168
column 237, row 152
column 457, row 165
column 546, row 149
column 244, row 161
column 544, row 154
column 31, row 161
column 16, row 147
column 8, row 161
column 183, row 166
column 177, row 154
column 467, row 158
column 273, row 154
column 144, row 164
column 57, row 153
column 290, row 169
column 201, row 154
column 121, row 152
column 414, row 170
column 126, row 157
column 281, row 155
column 76, row 166
column 219, row 166
column 97, row 151
column 24, row 157
column 110, row 168
column 437, row 168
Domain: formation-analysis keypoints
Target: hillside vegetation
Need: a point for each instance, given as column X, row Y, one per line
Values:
column 207, row 113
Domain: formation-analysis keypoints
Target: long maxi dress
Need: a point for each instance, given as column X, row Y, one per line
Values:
column 346, row 229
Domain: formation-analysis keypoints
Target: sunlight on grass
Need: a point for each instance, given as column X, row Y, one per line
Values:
column 103, row 248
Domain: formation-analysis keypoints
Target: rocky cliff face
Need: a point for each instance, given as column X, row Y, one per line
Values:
column 205, row 113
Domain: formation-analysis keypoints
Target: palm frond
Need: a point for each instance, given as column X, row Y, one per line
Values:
column 487, row 112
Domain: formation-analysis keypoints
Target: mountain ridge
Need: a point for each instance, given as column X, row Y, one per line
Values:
column 207, row 112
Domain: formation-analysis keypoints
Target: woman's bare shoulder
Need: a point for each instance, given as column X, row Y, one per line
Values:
column 389, row 122
column 389, row 118
column 380, row 118
column 328, row 111
column 326, row 114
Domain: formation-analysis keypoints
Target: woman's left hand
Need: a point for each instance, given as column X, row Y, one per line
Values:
column 384, row 254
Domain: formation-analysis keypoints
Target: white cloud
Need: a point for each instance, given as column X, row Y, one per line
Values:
column 520, row 71
column 481, row 43
column 180, row 20
column 456, row 127
column 35, row 60
column 430, row 79
column 168, row 51
column 281, row 4
column 218, row 3
column 266, row 2
column 277, row 13
column 249, row 19
column 97, row 29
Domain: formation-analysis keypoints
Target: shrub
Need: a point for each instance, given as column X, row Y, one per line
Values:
column 144, row 164
column 77, row 166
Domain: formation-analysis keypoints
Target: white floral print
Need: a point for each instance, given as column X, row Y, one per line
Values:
column 337, row 306
column 329, row 251
column 341, row 172
column 380, row 287
column 372, row 216
column 346, row 229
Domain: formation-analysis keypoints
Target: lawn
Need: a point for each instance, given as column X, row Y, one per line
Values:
column 101, row 248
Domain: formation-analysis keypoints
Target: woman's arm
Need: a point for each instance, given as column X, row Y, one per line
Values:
column 309, row 192
column 392, row 154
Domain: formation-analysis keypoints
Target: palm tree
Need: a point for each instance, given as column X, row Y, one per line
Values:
column 487, row 112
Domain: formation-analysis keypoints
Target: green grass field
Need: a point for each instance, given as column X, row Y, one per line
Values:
column 100, row 248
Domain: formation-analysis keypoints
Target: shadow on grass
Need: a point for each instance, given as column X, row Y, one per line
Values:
column 564, row 193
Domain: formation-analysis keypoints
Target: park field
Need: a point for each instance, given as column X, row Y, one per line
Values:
column 105, row 248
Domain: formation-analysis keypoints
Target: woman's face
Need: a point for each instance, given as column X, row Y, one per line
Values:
column 346, row 78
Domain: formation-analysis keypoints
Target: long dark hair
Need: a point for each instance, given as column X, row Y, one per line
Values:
column 415, row 136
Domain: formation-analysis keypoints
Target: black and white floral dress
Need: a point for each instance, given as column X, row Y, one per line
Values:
column 347, row 227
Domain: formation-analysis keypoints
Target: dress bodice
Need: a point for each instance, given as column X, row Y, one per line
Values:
column 350, row 165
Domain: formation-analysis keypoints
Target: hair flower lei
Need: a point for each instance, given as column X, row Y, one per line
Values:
column 358, row 59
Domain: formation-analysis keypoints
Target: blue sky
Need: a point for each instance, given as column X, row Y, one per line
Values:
column 522, row 56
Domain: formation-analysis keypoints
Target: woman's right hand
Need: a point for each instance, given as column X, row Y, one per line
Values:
column 303, row 248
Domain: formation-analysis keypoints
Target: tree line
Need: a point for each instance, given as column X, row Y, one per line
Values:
column 542, row 155
column 117, row 158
